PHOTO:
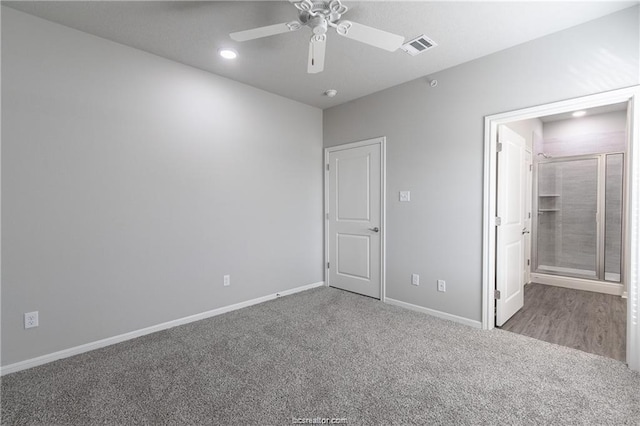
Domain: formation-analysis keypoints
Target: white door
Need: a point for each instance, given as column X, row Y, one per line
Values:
column 528, row 193
column 354, row 219
column 512, row 177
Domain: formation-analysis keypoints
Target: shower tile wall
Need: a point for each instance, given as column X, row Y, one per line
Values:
column 548, row 194
column 613, row 216
column 595, row 143
column 567, row 209
column 592, row 134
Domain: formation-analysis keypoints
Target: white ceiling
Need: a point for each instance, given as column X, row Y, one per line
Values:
column 191, row 32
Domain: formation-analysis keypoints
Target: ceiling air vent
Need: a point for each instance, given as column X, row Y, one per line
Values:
column 418, row 45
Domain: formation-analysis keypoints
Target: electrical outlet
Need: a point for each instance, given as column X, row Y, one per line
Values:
column 31, row 319
column 226, row 280
column 442, row 286
column 405, row 196
column 415, row 279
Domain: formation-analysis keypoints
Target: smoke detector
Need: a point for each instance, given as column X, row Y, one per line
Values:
column 418, row 45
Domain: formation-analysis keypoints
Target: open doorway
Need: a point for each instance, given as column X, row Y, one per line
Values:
column 572, row 230
column 563, row 253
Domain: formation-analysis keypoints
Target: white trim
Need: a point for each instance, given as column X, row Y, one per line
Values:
column 632, row 212
column 578, row 284
column 434, row 313
column 632, row 223
column 382, row 141
column 65, row 353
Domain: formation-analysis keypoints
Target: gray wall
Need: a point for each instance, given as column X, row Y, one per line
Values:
column 131, row 184
column 435, row 147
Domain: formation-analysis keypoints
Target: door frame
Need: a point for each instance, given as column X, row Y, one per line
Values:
column 382, row 142
column 529, row 209
column 631, row 221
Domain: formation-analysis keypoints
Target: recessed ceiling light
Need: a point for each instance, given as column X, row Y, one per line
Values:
column 228, row 53
column 579, row 113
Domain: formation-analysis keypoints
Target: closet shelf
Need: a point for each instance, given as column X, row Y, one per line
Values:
column 548, row 210
column 548, row 195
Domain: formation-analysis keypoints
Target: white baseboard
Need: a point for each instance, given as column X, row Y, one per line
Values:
column 579, row 284
column 65, row 353
column 433, row 312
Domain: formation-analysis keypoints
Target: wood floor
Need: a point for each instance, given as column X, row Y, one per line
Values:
column 591, row 322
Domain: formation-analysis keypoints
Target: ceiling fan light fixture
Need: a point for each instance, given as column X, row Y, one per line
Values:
column 227, row 53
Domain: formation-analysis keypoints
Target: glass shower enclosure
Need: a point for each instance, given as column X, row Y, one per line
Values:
column 578, row 231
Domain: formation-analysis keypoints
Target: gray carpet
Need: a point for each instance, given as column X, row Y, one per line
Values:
column 325, row 353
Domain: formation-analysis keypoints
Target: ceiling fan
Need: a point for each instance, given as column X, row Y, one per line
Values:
column 319, row 16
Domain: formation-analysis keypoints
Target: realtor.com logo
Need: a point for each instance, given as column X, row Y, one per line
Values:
column 319, row 420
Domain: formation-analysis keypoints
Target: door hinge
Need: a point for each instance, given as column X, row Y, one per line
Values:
column 327, row 265
column 327, row 216
column 499, row 147
column 497, row 294
column 530, row 167
column 327, row 166
column 528, row 262
column 498, row 221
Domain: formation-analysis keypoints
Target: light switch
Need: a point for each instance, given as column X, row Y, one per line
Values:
column 405, row 196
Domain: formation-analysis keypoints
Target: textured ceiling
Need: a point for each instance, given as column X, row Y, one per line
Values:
column 192, row 32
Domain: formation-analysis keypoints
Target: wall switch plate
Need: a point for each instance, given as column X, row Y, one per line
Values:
column 405, row 196
column 31, row 319
column 442, row 286
column 415, row 279
column 226, row 280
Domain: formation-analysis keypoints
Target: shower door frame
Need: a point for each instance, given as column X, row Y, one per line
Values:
column 600, row 221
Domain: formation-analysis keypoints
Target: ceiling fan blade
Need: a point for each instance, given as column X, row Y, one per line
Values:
column 317, row 47
column 267, row 31
column 369, row 35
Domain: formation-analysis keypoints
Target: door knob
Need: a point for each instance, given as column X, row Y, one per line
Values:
column 376, row 229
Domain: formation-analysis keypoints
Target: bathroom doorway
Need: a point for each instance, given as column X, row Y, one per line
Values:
column 579, row 182
column 577, row 240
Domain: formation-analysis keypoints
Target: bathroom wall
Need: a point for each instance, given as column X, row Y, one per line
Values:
column 590, row 134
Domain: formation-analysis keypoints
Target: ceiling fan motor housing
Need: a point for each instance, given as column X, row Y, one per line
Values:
column 329, row 11
column 319, row 25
